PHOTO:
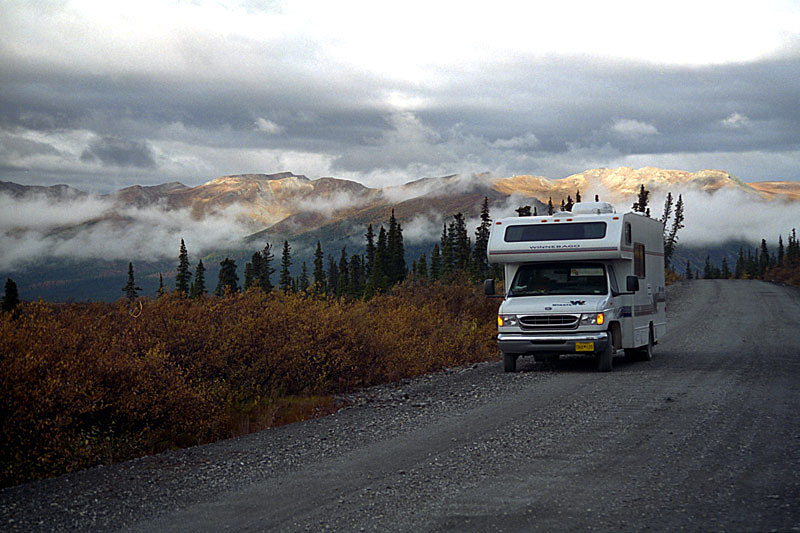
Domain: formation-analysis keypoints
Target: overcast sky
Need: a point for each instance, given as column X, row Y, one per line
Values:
column 103, row 95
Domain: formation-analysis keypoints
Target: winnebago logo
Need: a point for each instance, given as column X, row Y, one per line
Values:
column 571, row 302
column 553, row 246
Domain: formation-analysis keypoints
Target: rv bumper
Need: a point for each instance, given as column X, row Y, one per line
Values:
column 526, row 343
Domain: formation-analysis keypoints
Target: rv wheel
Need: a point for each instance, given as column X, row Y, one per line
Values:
column 509, row 362
column 605, row 358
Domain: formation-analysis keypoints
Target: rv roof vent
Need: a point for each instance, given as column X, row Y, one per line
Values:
column 596, row 208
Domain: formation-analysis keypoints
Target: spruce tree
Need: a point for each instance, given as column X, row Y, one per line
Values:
column 578, row 196
column 396, row 261
column 763, row 259
column 302, row 282
column 461, row 243
column 563, row 206
column 130, row 289
column 264, row 273
column 370, row 250
column 671, row 240
column 568, row 206
column 707, row 270
column 480, row 261
column 333, row 276
column 779, row 259
column 10, row 296
column 199, row 283
column 436, row 263
column 550, row 208
column 319, row 271
column 228, row 279
column 422, row 267
column 380, row 271
column 184, row 275
column 641, row 203
column 523, row 211
column 689, row 270
column 355, row 287
column 162, row 290
column 446, row 249
column 285, row 280
column 726, row 272
column 343, row 283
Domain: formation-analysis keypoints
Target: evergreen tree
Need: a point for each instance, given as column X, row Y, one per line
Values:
column 436, row 263
column 396, row 264
column 689, row 270
column 11, row 296
column 707, row 270
column 228, row 278
column 739, row 268
column 671, row 239
column 792, row 249
column 568, row 206
column 302, row 282
column 535, row 213
column 319, row 271
column 578, row 196
column 479, row 260
column 183, row 276
column 641, row 203
column 333, row 277
column 780, row 251
column 162, row 290
column 524, row 211
column 763, row 259
column 379, row 276
column 130, row 289
column 285, row 280
column 460, row 242
column 446, row 247
column 199, row 283
column 370, row 251
column 726, row 273
column 550, row 208
column 343, row 284
column 259, row 270
column 422, row 267
column 596, row 198
column 667, row 214
column 563, row 206
column 356, row 282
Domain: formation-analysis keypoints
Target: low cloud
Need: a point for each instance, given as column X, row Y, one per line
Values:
column 92, row 228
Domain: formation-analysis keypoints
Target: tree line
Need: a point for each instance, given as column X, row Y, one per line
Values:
column 756, row 263
column 380, row 266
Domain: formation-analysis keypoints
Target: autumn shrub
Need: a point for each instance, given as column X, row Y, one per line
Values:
column 84, row 384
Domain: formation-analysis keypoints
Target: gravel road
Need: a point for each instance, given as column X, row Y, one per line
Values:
column 704, row 437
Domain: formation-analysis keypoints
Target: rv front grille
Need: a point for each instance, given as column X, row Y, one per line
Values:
column 549, row 321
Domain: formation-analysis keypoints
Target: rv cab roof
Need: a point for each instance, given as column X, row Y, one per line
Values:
column 592, row 208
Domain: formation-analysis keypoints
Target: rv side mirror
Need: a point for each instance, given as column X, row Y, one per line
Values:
column 632, row 284
column 488, row 287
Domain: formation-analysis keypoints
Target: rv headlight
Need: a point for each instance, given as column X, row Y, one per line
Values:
column 506, row 320
column 593, row 319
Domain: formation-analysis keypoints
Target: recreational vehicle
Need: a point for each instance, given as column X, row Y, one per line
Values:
column 589, row 281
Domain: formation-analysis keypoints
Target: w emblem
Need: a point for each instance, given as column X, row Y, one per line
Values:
column 577, row 302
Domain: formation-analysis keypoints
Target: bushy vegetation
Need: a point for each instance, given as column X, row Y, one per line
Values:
column 83, row 384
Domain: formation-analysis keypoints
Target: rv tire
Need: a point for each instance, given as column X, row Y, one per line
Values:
column 605, row 359
column 509, row 362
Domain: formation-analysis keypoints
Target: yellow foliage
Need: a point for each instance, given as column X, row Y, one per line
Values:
column 83, row 384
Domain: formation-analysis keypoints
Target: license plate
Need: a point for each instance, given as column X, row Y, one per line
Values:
column 584, row 346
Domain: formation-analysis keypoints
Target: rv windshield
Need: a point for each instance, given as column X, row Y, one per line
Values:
column 559, row 278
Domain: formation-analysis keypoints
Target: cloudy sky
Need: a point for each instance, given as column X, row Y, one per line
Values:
column 102, row 95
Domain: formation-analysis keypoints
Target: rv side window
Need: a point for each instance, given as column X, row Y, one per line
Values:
column 638, row 260
column 628, row 233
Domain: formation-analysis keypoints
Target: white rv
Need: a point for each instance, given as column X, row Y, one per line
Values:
column 589, row 281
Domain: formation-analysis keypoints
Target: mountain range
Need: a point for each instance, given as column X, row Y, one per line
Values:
column 273, row 207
